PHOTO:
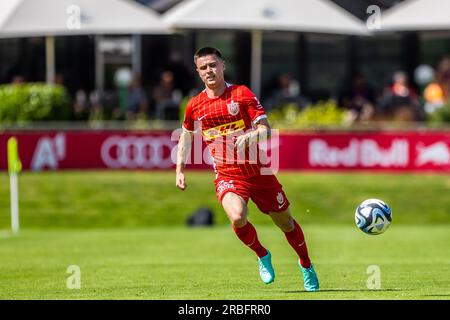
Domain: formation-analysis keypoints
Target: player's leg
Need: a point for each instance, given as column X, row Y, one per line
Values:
column 236, row 209
column 294, row 234
column 296, row 238
column 269, row 197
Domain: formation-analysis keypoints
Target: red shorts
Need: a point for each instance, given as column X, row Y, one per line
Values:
column 264, row 190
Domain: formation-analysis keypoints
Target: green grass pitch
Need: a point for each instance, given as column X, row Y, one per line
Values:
column 126, row 233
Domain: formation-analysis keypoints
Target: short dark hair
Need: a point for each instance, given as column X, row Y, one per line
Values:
column 205, row 51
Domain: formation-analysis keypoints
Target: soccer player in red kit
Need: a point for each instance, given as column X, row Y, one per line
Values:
column 232, row 121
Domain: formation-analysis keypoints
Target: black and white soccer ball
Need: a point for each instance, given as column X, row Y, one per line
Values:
column 373, row 216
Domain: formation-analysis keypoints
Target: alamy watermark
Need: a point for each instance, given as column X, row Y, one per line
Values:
column 74, row 280
column 374, row 280
column 261, row 149
column 374, row 20
column 73, row 21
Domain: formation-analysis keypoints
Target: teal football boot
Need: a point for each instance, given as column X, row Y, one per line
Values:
column 265, row 268
column 311, row 282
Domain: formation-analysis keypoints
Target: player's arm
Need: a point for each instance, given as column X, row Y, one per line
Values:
column 184, row 145
column 184, row 150
column 263, row 130
column 258, row 116
column 260, row 133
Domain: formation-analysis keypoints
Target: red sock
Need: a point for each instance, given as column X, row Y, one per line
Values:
column 297, row 241
column 247, row 234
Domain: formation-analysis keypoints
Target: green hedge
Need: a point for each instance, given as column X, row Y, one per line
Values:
column 322, row 114
column 33, row 102
column 441, row 115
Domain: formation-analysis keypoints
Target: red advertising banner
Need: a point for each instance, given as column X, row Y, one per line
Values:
column 394, row 151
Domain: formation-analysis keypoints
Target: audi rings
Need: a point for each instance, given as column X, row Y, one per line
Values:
column 138, row 152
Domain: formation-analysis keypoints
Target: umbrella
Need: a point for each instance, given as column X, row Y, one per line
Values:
column 417, row 15
column 318, row 16
column 49, row 18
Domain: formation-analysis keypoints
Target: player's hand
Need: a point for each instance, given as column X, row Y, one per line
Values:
column 241, row 142
column 180, row 181
column 245, row 140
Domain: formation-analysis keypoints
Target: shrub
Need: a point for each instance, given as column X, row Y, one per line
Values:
column 33, row 102
column 322, row 114
column 441, row 115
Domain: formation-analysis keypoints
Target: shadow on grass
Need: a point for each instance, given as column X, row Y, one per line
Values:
column 349, row 290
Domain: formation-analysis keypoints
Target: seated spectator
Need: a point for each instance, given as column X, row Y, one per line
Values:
column 137, row 102
column 443, row 77
column 400, row 101
column 359, row 98
column 167, row 98
column 18, row 79
column 96, row 107
column 434, row 97
column 80, row 105
column 288, row 92
column 59, row 79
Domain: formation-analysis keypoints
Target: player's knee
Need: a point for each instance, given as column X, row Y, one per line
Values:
column 238, row 218
column 286, row 224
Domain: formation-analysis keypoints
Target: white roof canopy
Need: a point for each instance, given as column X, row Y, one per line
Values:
column 27, row 18
column 257, row 16
column 321, row 16
column 417, row 15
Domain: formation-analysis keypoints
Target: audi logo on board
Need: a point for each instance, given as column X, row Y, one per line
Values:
column 138, row 152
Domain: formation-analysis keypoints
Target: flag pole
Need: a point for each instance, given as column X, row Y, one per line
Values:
column 14, row 167
column 13, row 183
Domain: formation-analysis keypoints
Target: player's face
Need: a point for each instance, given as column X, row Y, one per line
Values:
column 210, row 69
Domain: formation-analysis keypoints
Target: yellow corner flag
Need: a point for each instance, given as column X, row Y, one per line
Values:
column 14, row 164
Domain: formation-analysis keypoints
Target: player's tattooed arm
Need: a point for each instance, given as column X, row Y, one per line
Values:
column 184, row 150
column 261, row 133
column 263, row 129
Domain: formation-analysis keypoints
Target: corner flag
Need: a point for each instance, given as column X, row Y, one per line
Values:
column 14, row 167
column 14, row 164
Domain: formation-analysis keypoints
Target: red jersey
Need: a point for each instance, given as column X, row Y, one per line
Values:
column 223, row 118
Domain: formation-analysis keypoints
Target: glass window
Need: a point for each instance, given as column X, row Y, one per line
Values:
column 379, row 58
column 280, row 55
column 327, row 63
column 434, row 46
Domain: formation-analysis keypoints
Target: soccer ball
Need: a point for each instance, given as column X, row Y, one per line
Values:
column 373, row 216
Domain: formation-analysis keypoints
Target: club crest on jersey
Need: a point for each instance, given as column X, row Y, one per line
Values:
column 233, row 108
column 280, row 198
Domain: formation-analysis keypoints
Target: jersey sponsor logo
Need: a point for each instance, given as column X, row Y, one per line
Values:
column 223, row 185
column 233, row 108
column 223, row 130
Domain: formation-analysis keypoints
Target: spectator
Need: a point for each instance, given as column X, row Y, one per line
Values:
column 443, row 77
column 80, row 106
column 288, row 91
column 359, row 98
column 434, row 97
column 400, row 101
column 96, row 112
column 18, row 79
column 167, row 97
column 59, row 79
column 137, row 102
